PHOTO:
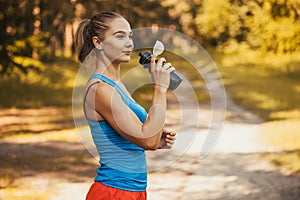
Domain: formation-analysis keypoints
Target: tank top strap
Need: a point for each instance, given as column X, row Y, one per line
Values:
column 124, row 96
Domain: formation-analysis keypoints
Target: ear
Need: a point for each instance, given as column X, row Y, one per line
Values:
column 97, row 43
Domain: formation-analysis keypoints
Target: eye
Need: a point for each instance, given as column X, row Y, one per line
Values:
column 120, row 36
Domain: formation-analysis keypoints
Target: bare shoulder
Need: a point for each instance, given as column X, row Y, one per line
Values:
column 103, row 89
column 106, row 93
column 98, row 87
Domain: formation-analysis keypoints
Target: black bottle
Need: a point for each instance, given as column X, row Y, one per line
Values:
column 175, row 78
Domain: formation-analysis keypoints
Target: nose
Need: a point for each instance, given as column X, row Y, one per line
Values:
column 129, row 43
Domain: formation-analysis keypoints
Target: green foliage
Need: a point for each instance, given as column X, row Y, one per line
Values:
column 138, row 13
column 184, row 12
column 23, row 43
column 52, row 87
column 262, row 85
column 215, row 25
column 265, row 25
column 269, row 87
column 35, row 30
column 274, row 27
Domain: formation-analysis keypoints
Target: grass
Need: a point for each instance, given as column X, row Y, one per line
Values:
column 283, row 134
column 54, row 85
column 38, row 101
column 269, row 86
column 51, row 87
column 264, row 89
column 16, row 121
column 287, row 161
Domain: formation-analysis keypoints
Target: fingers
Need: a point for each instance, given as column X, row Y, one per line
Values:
column 153, row 63
column 160, row 71
column 171, row 142
column 157, row 65
column 160, row 64
column 170, row 69
column 161, row 61
column 169, row 132
column 170, row 138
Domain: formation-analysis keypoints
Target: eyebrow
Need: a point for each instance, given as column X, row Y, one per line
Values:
column 123, row 32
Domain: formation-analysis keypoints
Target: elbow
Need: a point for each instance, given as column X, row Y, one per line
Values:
column 152, row 146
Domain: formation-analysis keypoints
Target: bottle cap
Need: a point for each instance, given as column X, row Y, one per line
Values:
column 158, row 48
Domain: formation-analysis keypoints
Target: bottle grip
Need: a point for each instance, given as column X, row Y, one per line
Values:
column 175, row 78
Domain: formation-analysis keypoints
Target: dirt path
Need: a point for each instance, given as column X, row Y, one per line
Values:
column 234, row 170
column 56, row 166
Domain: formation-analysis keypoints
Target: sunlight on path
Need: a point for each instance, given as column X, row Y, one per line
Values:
column 234, row 170
column 235, row 138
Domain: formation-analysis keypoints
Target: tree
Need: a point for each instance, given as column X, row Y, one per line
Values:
column 36, row 29
column 219, row 21
column 267, row 25
column 33, row 29
column 274, row 26
column 18, row 49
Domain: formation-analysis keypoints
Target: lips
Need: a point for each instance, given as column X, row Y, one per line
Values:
column 127, row 52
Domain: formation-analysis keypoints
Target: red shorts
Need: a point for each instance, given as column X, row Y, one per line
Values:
column 98, row 191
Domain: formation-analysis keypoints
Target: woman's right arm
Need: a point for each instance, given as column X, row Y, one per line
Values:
column 109, row 104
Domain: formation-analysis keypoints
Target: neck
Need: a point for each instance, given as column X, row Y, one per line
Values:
column 111, row 71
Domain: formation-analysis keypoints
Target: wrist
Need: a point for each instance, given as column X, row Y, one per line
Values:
column 161, row 88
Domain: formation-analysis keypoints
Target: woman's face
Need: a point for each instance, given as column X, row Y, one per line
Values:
column 118, row 44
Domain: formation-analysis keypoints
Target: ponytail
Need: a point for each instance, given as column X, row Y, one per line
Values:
column 88, row 28
column 80, row 37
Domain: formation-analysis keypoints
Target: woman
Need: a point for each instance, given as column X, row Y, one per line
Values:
column 122, row 130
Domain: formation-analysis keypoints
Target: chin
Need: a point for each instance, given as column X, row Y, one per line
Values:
column 124, row 59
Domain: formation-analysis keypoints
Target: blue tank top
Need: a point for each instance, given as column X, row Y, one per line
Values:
column 122, row 163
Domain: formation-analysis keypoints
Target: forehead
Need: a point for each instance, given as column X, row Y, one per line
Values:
column 118, row 24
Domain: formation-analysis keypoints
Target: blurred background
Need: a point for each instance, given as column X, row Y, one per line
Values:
column 254, row 43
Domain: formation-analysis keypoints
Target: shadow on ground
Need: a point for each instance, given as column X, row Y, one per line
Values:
column 35, row 120
column 54, row 159
column 221, row 176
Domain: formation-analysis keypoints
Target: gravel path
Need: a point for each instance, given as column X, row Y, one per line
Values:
column 234, row 170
